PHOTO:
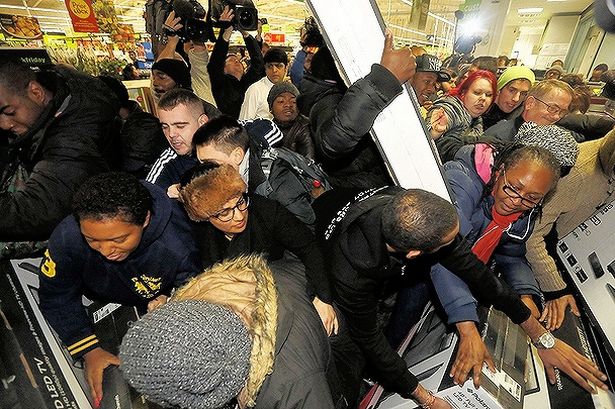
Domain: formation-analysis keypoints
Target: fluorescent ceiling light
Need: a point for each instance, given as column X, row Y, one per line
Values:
column 530, row 10
column 408, row 2
column 7, row 6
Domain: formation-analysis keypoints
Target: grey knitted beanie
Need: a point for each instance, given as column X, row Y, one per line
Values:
column 279, row 89
column 190, row 354
column 553, row 138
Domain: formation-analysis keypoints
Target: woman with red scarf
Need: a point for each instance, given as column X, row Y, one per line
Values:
column 497, row 206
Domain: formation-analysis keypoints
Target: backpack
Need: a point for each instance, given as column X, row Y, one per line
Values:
column 290, row 179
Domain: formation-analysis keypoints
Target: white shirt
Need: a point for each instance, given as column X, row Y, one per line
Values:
column 255, row 101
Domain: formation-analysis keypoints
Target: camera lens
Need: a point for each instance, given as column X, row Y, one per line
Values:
column 246, row 18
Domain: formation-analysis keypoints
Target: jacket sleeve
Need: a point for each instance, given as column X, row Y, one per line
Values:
column 60, row 295
column 542, row 263
column 338, row 130
column 517, row 273
column 590, row 126
column 488, row 288
column 215, row 68
column 296, row 69
column 256, row 71
column 310, row 392
column 31, row 213
column 453, row 293
column 296, row 237
column 358, row 303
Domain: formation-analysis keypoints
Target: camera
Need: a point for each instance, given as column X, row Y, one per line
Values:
column 194, row 28
column 246, row 15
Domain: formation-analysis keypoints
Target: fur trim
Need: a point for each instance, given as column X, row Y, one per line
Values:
column 246, row 286
column 207, row 194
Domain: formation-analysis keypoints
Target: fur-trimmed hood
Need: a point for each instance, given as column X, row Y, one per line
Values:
column 246, row 286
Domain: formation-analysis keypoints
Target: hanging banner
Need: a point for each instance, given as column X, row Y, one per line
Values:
column 82, row 16
column 23, row 27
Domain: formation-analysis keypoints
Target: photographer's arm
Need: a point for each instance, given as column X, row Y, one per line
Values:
column 256, row 71
column 172, row 24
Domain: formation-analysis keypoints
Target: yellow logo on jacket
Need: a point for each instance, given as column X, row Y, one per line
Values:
column 146, row 286
column 48, row 268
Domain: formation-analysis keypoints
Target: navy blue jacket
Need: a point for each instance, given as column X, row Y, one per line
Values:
column 165, row 258
column 474, row 211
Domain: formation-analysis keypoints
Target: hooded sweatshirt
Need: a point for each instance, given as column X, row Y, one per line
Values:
column 165, row 258
column 588, row 186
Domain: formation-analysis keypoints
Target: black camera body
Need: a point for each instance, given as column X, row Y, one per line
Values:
column 246, row 15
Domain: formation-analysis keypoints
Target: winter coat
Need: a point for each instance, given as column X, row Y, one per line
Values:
column 228, row 91
column 589, row 185
column 360, row 265
column 341, row 121
column 165, row 258
column 65, row 145
column 297, row 136
column 271, row 230
column 461, row 129
column 291, row 357
column 474, row 210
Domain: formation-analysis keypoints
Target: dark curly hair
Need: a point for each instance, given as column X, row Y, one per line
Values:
column 113, row 194
column 417, row 220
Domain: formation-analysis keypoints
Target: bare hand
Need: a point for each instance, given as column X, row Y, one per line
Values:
column 227, row 15
column 471, row 354
column 529, row 303
column 327, row 316
column 157, row 302
column 400, row 62
column 439, row 122
column 95, row 363
column 554, row 312
column 422, row 396
column 173, row 23
column 563, row 357
column 173, row 191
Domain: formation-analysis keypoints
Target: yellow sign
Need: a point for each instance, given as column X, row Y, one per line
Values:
column 80, row 8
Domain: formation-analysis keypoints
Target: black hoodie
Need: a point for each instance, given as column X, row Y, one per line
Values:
column 361, row 265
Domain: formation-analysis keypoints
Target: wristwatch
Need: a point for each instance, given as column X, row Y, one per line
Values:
column 545, row 341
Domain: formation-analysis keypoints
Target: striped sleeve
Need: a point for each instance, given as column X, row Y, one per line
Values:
column 165, row 157
column 83, row 346
column 264, row 128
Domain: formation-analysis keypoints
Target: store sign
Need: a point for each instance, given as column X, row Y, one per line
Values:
column 275, row 38
column 82, row 16
column 22, row 27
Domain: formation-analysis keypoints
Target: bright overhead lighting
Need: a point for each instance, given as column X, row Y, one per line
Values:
column 530, row 10
column 7, row 6
column 408, row 2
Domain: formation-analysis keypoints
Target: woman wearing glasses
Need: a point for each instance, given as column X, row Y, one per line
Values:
column 230, row 223
column 456, row 118
column 497, row 205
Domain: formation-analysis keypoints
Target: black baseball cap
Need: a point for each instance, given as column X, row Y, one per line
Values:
column 431, row 63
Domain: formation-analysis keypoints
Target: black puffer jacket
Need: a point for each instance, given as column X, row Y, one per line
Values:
column 63, row 148
column 341, row 121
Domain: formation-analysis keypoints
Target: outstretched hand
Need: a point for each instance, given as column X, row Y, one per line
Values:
column 555, row 311
column 471, row 354
column 400, row 62
column 563, row 357
column 96, row 361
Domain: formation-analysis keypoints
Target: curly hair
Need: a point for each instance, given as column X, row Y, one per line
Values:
column 417, row 220
column 110, row 195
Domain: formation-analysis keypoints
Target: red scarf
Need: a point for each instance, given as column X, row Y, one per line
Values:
column 485, row 245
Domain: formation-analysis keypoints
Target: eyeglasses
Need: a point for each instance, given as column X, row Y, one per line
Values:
column 554, row 109
column 228, row 214
column 513, row 194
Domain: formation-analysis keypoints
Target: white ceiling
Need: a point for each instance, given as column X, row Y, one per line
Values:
column 289, row 14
